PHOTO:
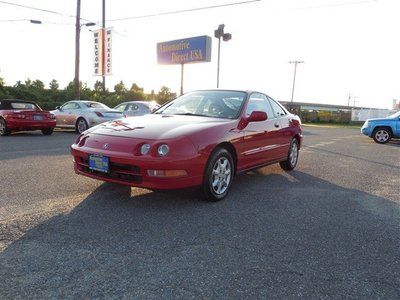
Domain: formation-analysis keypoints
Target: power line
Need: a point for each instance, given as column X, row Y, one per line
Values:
column 336, row 4
column 34, row 8
column 183, row 11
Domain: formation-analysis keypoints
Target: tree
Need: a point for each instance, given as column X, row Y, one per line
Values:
column 54, row 85
column 98, row 86
column 120, row 88
column 135, row 93
column 165, row 95
column 38, row 84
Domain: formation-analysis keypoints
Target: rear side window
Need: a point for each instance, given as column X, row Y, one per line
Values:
column 133, row 107
column 70, row 105
column 279, row 111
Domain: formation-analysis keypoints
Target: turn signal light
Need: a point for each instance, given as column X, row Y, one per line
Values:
column 166, row 173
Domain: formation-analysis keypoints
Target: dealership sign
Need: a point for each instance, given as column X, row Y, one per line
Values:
column 190, row 50
column 102, row 52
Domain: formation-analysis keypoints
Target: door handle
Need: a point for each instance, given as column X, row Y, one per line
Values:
column 276, row 125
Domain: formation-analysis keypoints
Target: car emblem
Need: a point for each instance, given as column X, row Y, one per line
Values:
column 106, row 146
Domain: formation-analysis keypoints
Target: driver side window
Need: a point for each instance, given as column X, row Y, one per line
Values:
column 70, row 105
column 259, row 102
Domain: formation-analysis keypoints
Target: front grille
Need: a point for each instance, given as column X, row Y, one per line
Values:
column 124, row 172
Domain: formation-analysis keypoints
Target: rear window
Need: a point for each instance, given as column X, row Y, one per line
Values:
column 23, row 105
column 95, row 105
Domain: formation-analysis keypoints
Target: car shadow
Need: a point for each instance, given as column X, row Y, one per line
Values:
column 279, row 235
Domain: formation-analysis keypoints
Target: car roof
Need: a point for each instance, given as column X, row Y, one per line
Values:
column 135, row 101
column 16, row 100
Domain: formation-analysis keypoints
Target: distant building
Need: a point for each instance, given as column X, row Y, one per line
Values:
column 330, row 113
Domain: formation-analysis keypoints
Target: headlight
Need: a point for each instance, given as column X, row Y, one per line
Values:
column 144, row 149
column 163, row 150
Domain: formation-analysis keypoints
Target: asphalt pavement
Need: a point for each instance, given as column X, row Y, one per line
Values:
column 329, row 229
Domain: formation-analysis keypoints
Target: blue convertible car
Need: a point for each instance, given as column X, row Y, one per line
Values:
column 383, row 130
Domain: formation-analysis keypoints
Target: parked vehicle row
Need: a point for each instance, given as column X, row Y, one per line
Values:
column 19, row 115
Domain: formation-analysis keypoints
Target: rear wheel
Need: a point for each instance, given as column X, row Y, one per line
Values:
column 218, row 176
column 81, row 125
column 292, row 158
column 3, row 128
column 382, row 135
column 48, row 131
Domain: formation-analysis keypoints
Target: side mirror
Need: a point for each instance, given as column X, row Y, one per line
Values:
column 257, row 116
column 58, row 108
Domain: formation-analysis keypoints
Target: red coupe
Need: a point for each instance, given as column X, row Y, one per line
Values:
column 19, row 115
column 202, row 138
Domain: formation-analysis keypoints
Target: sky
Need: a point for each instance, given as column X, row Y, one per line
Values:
column 348, row 46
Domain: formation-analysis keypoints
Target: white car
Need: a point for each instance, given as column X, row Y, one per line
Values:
column 137, row 108
column 82, row 114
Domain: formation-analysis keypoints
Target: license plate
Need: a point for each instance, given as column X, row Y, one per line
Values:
column 37, row 118
column 99, row 163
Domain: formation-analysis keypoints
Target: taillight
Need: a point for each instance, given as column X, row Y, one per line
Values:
column 99, row 114
column 19, row 116
column 51, row 116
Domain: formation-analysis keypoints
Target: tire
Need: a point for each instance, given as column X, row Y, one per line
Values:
column 382, row 135
column 292, row 158
column 81, row 125
column 3, row 128
column 218, row 175
column 48, row 131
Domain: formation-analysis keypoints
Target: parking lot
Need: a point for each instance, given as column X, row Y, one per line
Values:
column 329, row 229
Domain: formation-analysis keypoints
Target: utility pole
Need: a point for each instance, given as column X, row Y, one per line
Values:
column 348, row 100
column 104, row 44
column 77, row 47
column 295, row 62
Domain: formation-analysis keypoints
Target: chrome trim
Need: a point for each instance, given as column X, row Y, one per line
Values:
column 265, row 148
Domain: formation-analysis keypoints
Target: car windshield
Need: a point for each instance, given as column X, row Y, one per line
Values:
column 217, row 104
column 95, row 105
column 24, row 105
column 395, row 115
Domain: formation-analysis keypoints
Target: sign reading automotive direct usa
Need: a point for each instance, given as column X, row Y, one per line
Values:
column 190, row 50
column 102, row 52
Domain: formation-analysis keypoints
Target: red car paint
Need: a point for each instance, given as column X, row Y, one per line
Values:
column 191, row 140
column 18, row 119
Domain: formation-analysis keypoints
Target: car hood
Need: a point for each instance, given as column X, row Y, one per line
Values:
column 379, row 119
column 157, row 126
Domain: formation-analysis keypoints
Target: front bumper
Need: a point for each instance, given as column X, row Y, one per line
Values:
column 366, row 130
column 132, row 171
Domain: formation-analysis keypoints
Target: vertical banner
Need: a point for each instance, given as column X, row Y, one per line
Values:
column 98, row 53
column 102, row 52
column 108, row 53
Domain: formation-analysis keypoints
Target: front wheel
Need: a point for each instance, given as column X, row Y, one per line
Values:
column 292, row 158
column 48, row 131
column 3, row 128
column 218, row 175
column 381, row 135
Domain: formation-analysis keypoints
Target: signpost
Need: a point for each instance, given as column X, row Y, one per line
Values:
column 184, row 51
column 103, row 52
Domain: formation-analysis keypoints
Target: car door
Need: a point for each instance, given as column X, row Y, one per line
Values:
column 283, row 118
column 261, row 139
column 71, row 113
column 62, row 114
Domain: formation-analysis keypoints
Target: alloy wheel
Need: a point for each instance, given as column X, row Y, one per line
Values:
column 82, row 125
column 221, row 175
column 382, row 135
column 293, row 155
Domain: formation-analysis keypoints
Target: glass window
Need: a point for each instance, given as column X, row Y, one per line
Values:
column 279, row 111
column 217, row 104
column 23, row 105
column 95, row 105
column 120, row 107
column 259, row 102
column 132, row 107
column 70, row 105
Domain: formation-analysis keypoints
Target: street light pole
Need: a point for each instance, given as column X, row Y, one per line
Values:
column 219, row 33
column 77, row 49
column 295, row 62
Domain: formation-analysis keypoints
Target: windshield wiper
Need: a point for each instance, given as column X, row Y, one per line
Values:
column 190, row 114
